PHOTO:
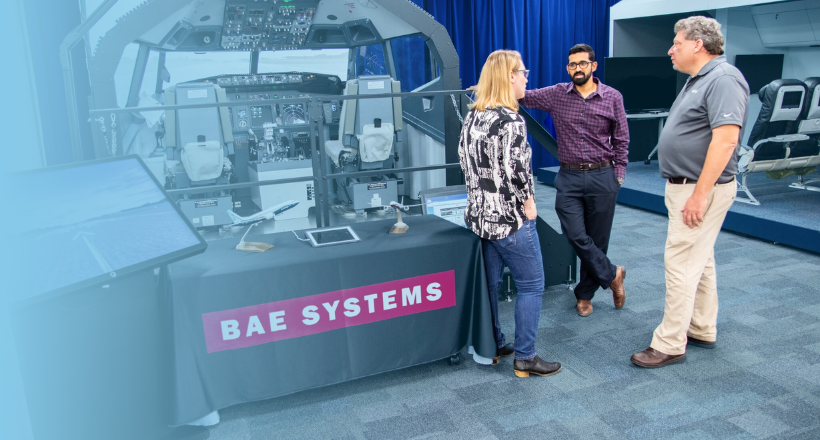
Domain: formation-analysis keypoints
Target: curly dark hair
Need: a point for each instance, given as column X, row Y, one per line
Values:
column 583, row 48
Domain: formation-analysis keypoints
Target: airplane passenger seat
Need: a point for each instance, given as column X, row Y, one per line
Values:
column 809, row 125
column 774, row 132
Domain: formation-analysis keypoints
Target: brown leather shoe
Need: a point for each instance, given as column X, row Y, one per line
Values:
column 651, row 358
column 617, row 286
column 584, row 307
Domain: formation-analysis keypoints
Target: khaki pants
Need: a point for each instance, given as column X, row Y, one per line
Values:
column 691, row 286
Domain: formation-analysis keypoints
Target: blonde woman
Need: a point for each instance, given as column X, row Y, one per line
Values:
column 495, row 158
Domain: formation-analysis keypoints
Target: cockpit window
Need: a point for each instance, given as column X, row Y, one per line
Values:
column 189, row 66
column 125, row 72
column 326, row 61
column 412, row 60
column 370, row 60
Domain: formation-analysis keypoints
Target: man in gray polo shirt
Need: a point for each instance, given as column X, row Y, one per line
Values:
column 698, row 157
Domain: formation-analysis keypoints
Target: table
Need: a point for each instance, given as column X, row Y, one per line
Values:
column 251, row 326
column 661, row 117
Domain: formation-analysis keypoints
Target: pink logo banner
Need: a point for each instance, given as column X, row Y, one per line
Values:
column 275, row 321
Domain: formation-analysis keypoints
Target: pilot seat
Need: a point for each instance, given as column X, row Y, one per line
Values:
column 198, row 141
column 367, row 142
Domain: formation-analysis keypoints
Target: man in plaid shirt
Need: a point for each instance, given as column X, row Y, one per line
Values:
column 593, row 138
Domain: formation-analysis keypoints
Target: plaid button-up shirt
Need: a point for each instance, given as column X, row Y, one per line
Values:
column 590, row 130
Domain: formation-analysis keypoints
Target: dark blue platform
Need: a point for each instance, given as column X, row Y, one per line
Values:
column 786, row 215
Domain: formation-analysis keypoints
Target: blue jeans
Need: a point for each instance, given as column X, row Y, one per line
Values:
column 521, row 252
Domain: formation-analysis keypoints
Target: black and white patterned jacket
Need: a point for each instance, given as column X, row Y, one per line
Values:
column 495, row 158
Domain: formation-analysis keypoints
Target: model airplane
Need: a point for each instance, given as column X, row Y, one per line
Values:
column 266, row 214
column 400, row 227
column 399, row 205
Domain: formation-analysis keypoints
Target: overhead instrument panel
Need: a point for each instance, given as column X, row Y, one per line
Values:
column 267, row 24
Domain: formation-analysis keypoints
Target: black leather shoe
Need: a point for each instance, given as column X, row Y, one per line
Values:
column 536, row 365
column 504, row 351
column 651, row 358
column 700, row 342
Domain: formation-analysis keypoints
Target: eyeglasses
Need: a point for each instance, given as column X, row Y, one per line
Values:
column 583, row 64
column 526, row 72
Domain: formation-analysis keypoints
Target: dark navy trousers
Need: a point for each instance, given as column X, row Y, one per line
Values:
column 585, row 204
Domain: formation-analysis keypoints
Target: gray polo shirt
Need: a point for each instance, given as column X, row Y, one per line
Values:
column 717, row 95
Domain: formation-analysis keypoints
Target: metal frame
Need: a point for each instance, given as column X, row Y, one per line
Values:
column 804, row 184
column 138, row 75
column 160, row 72
column 750, row 166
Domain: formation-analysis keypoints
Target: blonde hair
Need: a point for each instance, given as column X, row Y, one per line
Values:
column 494, row 87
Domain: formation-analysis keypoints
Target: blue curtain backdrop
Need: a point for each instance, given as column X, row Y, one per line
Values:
column 542, row 30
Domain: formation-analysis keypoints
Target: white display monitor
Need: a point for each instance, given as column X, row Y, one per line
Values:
column 448, row 203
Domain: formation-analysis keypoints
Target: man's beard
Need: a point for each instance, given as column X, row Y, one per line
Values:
column 579, row 81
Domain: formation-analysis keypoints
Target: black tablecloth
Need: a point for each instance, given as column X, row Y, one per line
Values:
column 228, row 295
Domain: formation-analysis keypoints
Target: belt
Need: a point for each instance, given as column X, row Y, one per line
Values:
column 684, row 180
column 586, row 166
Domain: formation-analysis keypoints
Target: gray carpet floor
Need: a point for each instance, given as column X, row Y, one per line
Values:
column 762, row 381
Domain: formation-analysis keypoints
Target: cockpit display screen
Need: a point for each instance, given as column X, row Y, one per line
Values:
column 293, row 114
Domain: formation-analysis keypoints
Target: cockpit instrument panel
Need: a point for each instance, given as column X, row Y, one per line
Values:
column 268, row 82
column 267, row 24
column 287, row 118
column 252, row 80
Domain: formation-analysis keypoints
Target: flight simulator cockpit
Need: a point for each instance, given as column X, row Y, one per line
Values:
column 242, row 105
